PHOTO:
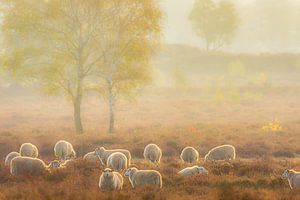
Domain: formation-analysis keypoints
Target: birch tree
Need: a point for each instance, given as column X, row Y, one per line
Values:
column 54, row 44
column 132, row 36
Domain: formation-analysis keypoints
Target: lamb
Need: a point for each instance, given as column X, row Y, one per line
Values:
column 224, row 152
column 140, row 178
column 104, row 154
column 110, row 180
column 29, row 150
column 189, row 155
column 293, row 178
column 29, row 166
column 190, row 171
column 152, row 153
column 117, row 161
column 10, row 156
column 64, row 150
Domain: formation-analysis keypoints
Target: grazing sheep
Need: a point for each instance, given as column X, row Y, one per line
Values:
column 152, row 153
column 139, row 178
column 10, row 156
column 110, row 180
column 190, row 171
column 189, row 155
column 29, row 166
column 92, row 157
column 293, row 178
column 64, row 150
column 117, row 161
column 104, row 154
column 224, row 152
column 29, row 150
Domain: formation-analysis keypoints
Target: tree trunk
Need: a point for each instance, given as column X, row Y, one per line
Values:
column 111, row 112
column 77, row 115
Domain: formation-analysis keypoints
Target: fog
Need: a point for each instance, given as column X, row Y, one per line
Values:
column 265, row 26
column 89, row 84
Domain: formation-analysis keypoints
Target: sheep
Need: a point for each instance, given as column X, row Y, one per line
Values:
column 139, row 178
column 21, row 165
column 10, row 156
column 92, row 157
column 293, row 178
column 224, row 152
column 190, row 171
column 64, row 150
column 117, row 161
column 29, row 150
column 110, row 180
column 104, row 154
column 152, row 153
column 189, row 155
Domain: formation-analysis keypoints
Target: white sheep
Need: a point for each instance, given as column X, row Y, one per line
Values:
column 293, row 178
column 29, row 150
column 139, row 178
column 104, row 154
column 189, row 155
column 153, row 153
column 190, row 171
column 29, row 166
column 64, row 150
column 92, row 157
column 10, row 156
column 117, row 161
column 224, row 152
column 110, row 180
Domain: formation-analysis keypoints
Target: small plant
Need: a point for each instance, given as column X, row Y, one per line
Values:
column 274, row 126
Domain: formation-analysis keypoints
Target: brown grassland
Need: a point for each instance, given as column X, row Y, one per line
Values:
column 171, row 118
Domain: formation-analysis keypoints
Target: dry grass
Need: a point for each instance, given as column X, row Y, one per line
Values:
column 171, row 120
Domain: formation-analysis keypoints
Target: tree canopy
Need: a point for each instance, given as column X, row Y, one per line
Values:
column 214, row 22
column 67, row 46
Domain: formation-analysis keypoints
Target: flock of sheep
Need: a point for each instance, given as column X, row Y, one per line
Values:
column 25, row 162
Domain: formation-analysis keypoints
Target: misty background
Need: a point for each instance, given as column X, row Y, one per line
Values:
column 265, row 25
column 260, row 62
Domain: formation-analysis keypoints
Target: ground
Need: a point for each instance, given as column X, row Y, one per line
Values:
column 171, row 118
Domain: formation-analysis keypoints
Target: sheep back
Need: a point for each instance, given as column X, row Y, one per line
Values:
column 64, row 150
column 153, row 153
column 27, row 166
column 146, row 177
column 29, row 150
column 224, row 152
column 10, row 156
column 117, row 161
column 106, row 153
column 91, row 157
column 189, row 155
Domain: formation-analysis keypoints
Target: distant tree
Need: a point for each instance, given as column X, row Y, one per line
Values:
column 129, row 40
column 214, row 22
column 54, row 44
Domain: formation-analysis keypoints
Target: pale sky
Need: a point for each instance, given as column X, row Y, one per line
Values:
column 177, row 27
